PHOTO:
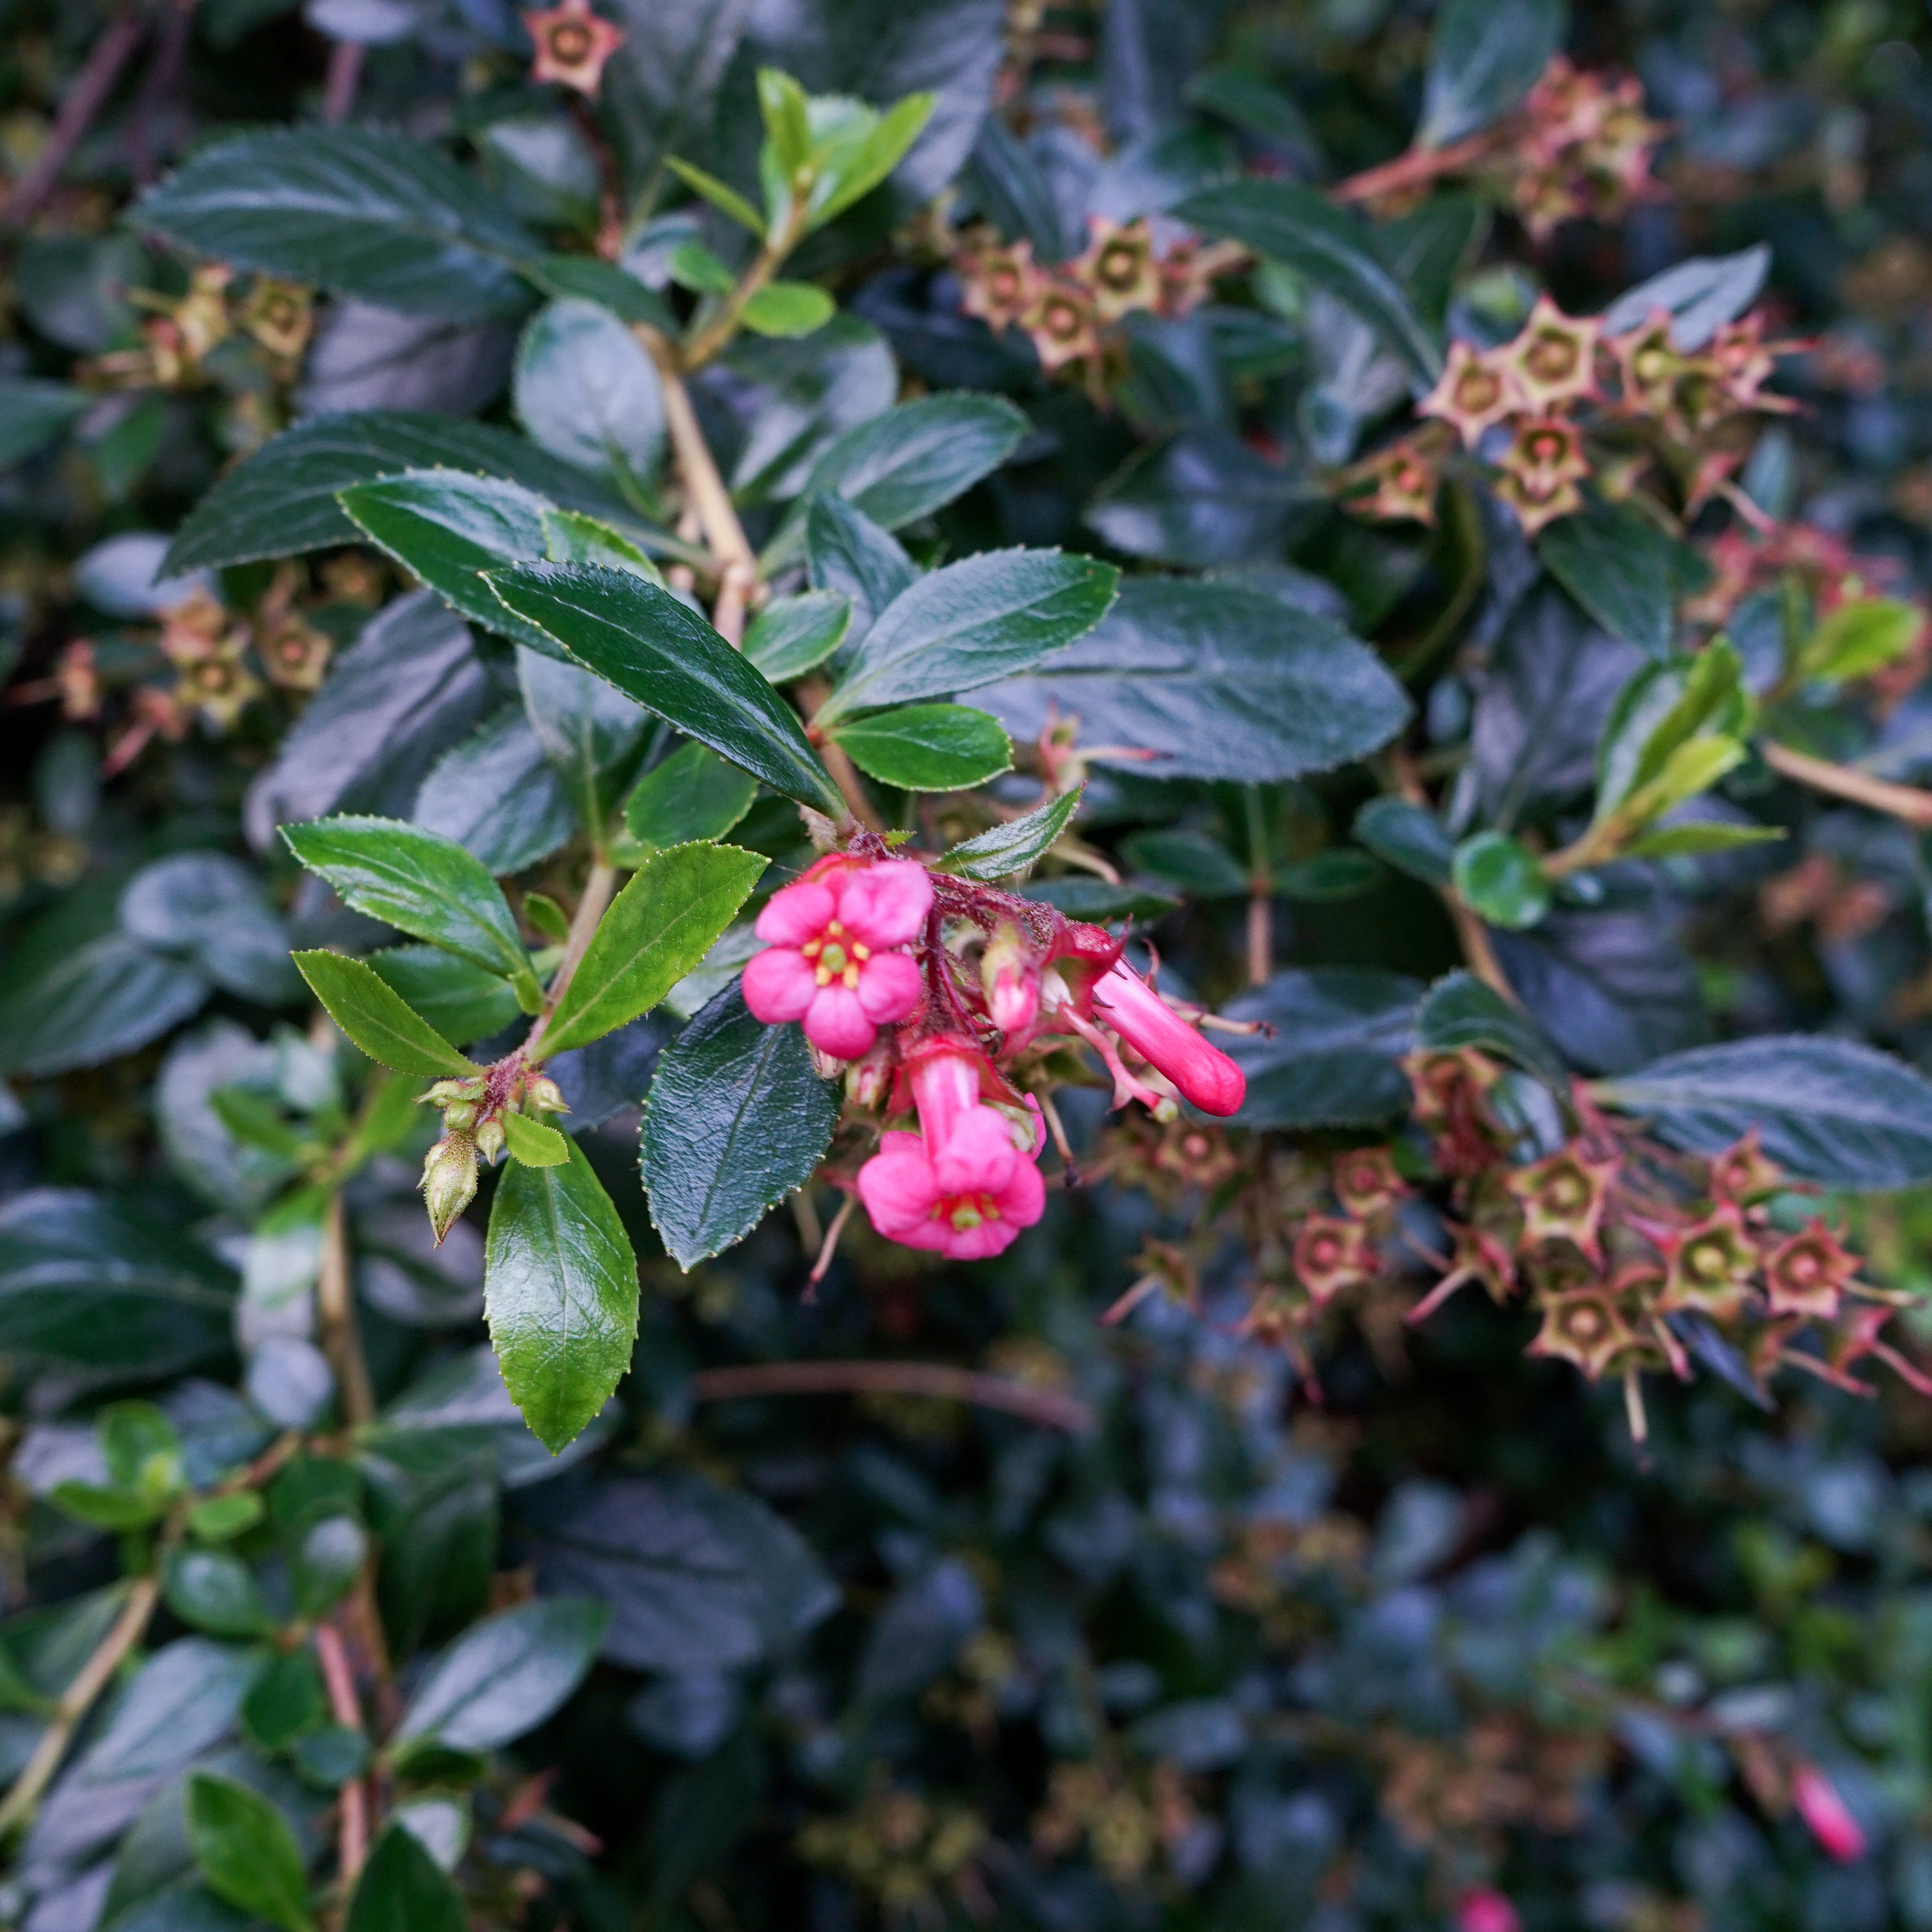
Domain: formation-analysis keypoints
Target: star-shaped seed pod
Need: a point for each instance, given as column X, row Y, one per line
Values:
column 1062, row 324
column 1563, row 1197
column 1806, row 1273
column 1552, row 362
column 1396, row 484
column 1709, row 1267
column 1474, row 392
column 1118, row 266
column 1001, row 283
column 1366, row 1183
column 572, row 45
column 1585, row 1327
column 1540, row 470
column 1331, row 1254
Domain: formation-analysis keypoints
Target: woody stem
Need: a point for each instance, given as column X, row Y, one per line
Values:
column 1902, row 801
column 939, row 1380
column 592, row 905
column 335, row 1315
column 1416, row 168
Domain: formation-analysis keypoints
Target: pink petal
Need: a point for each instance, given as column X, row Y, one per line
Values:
column 779, row 984
column 796, row 913
column 898, row 1190
column 978, row 1157
column 1023, row 1200
column 978, row 1244
column 888, row 986
column 885, row 904
column 835, row 1023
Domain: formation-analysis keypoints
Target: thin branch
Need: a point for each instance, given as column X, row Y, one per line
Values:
column 594, row 902
column 79, row 106
column 1049, row 1407
column 1261, row 892
column 1415, row 168
column 335, row 1312
column 1479, row 952
column 716, row 334
column 93, row 1677
column 345, row 1707
column 1903, row 801
column 340, row 84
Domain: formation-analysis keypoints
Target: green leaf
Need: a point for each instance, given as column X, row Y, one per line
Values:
column 282, row 500
column 927, row 747
column 217, row 1592
column 1188, row 859
column 693, row 795
column 589, row 733
column 788, row 308
column 1003, row 850
column 1705, row 835
column 33, row 412
column 1831, row 1111
column 1500, row 880
column 971, row 624
column 1410, row 837
column 1300, row 228
column 105, row 1508
column 361, row 211
column 1698, row 295
column 247, row 1852
column 217, row 1518
column 448, row 528
column 859, row 169
column 846, row 552
column 655, row 650
column 586, row 391
column 285, row 1699
column 571, row 537
column 736, row 1117
column 1459, row 1011
column 592, row 279
column 1218, row 681
column 560, row 1293
column 1484, row 57
column 1861, row 636
column 659, row 928
column 462, row 1002
column 694, row 267
column 402, row 1889
column 421, row 884
column 378, row 1018
column 783, row 108
column 505, row 1675
column 1333, row 1057
column 792, row 635
column 1627, row 573
column 726, row 200
column 1659, row 712
column 904, row 464
column 532, row 1143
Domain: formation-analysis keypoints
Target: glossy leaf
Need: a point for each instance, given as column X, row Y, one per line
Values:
column 1334, row 1057
column 33, row 413
column 534, row 1144
column 694, row 794
column 377, row 1018
column 927, row 747
column 792, row 635
column 402, row 1889
column 587, row 392
column 505, row 1675
column 361, row 211
column 736, row 1118
column 421, row 884
column 971, row 624
column 560, row 1293
column 1409, row 837
column 1698, row 295
column 1483, row 57
column 1499, row 879
column 640, row 638
column 1460, row 1011
column 247, row 1852
column 1625, row 571
column 658, row 928
column 462, row 1002
column 846, row 552
column 1003, row 850
column 788, row 308
column 589, row 732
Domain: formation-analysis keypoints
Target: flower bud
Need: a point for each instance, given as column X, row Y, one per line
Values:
column 868, row 1080
column 442, row 1093
column 459, row 1117
column 449, row 1181
column 490, row 1138
column 1010, row 976
column 1826, row 1814
column 547, row 1096
column 1204, row 1074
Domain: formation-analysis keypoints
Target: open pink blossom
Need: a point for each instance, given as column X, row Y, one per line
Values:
column 1827, row 1815
column 831, row 961
column 961, row 1185
column 1201, row 1073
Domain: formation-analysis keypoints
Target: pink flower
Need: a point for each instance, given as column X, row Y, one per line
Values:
column 1203, row 1074
column 1485, row 1910
column 1821, row 1808
column 831, row 961
column 960, row 1186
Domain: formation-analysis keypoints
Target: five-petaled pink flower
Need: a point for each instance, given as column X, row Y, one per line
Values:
column 1201, row 1073
column 961, row 1185
column 832, row 961
column 1827, row 1815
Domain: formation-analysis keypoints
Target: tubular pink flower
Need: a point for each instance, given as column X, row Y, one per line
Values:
column 1204, row 1074
column 1827, row 1814
column 832, row 961
column 1485, row 1910
column 992, row 1192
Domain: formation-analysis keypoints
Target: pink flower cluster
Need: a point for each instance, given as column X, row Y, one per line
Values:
column 931, row 989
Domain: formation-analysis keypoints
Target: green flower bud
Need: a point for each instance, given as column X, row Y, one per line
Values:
column 547, row 1096
column 490, row 1138
column 449, row 1181
column 459, row 1117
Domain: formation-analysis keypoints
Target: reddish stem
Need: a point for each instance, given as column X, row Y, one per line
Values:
column 79, row 106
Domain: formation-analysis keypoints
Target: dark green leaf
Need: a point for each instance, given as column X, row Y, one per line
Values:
column 1409, row 837
column 1300, row 228
column 217, row 1592
column 179, row 1702
column 694, row 794
column 1485, row 56
column 1081, row 896
column 211, row 909
column 361, row 211
column 845, row 551
column 505, row 1675
column 659, row 927
column 1002, row 850
column 1201, row 866
column 590, row 732
column 286, row 1699
column 971, row 624
column 736, row 1117
column 1459, row 1011
column 462, row 1002
column 587, row 392
column 697, row 1578
column 1831, row 1111
column 402, row 1889
column 656, row 650
column 1218, row 681
column 1334, row 1057
column 1500, row 880
column 246, row 1851
column 327, row 1563
column 590, row 278
column 927, row 747
column 905, row 464
column 1625, row 571
column 497, row 795
column 283, row 499
column 421, row 884
column 32, row 413
column 792, row 635
column 560, row 1293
